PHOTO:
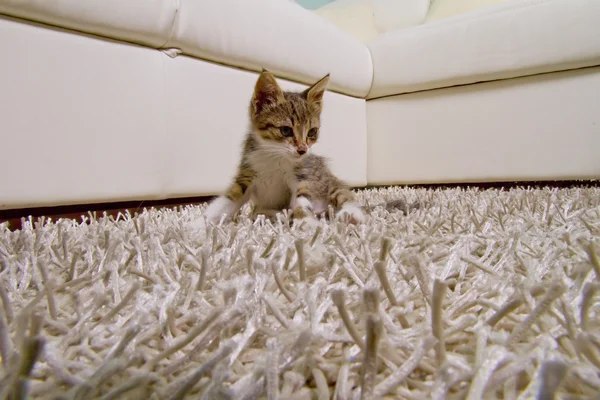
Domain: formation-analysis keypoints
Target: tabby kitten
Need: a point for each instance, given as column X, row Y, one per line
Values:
column 277, row 169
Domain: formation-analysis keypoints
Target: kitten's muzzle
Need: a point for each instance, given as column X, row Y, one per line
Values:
column 301, row 151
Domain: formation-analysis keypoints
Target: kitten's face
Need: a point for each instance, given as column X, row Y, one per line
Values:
column 287, row 122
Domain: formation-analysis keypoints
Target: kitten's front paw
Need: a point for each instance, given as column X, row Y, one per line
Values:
column 302, row 208
column 219, row 207
column 304, row 219
column 352, row 213
column 301, row 213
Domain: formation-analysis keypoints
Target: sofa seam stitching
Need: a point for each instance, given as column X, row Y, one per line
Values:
column 173, row 22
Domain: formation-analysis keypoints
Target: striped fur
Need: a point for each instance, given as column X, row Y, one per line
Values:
column 277, row 166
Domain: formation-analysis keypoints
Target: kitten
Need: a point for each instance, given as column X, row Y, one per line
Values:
column 277, row 169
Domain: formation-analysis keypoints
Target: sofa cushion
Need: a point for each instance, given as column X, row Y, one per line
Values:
column 354, row 17
column 391, row 15
column 146, row 22
column 367, row 19
column 278, row 35
column 508, row 40
column 441, row 9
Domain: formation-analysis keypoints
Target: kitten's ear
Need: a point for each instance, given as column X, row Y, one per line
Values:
column 314, row 94
column 266, row 92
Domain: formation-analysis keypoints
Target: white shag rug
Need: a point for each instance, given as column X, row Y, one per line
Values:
column 477, row 295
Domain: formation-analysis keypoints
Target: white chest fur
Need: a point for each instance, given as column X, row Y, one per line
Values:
column 274, row 183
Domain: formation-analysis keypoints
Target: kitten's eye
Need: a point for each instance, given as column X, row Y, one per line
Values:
column 286, row 131
column 312, row 133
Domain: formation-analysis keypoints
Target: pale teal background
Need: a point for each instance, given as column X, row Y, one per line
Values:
column 313, row 4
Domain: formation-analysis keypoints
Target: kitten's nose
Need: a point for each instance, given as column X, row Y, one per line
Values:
column 301, row 151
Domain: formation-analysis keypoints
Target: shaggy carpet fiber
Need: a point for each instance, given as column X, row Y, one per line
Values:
column 475, row 295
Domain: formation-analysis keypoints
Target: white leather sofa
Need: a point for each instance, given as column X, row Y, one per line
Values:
column 113, row 100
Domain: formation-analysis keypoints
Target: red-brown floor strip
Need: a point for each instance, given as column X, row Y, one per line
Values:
column 15, row 216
